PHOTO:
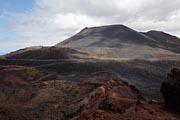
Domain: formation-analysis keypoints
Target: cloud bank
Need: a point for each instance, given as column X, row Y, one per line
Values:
column 51, row 21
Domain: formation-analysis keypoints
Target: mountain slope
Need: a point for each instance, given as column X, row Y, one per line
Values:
column 107, row 36
column 119, row 41
column 169, row 41
column 45, row 53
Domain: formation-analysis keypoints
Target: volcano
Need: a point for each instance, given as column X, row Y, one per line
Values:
column 119, row 41
column 107, row 72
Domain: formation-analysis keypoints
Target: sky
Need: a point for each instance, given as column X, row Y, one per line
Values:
column 26, row 23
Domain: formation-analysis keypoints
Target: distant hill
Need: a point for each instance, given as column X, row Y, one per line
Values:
column 45, row 53
column 119, row 41
column 168, row 41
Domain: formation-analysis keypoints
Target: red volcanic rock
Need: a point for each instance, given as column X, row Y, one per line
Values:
column 28, row 93
column 171, row 89
column 118, row 101
column 27, row 73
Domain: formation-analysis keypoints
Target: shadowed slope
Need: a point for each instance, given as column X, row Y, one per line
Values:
column 168, row 41
column 45, row 53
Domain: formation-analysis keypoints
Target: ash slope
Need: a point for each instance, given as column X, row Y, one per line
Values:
column 107, row 36
column 119, row 41
column 168, row 41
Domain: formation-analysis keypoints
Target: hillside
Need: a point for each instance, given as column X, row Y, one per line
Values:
column 107, row 36
column 119, row 41
column 167, row 40
column 45, row 53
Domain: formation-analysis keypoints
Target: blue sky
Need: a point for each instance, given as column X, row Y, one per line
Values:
column 25, row 23
column 7, row 36
column 15, row 5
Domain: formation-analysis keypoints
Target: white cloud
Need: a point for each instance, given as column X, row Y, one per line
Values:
column 51, row 21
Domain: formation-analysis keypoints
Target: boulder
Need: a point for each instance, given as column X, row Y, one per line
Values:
column 170, row 89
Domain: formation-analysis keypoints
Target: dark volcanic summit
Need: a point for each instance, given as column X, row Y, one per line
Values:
column 107, row 36
column 119, row 41
column 116, row 35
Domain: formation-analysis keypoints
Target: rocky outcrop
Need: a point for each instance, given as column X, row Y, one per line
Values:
column 116, row 100
column 112, row 97
column 171, row 89
column 19, row 75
